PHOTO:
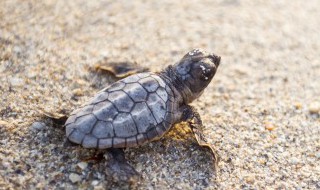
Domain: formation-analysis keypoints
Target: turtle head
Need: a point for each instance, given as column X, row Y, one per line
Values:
column 196, row 70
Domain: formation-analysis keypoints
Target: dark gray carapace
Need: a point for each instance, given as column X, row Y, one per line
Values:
column 141, row 107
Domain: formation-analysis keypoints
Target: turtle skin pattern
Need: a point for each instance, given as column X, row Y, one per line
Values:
column 130, row 112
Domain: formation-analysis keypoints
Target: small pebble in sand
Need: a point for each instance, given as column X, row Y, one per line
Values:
column 37, row 126
column 16, row 82
column 294, row 160
column 250, row 179
column 74, row 177
column 314, row 108
column 297, row 105
column 82, row 165
column 269, row 126
column 77, row 92
column 94, row 182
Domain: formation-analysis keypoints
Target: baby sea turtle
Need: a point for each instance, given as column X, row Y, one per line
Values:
column 144, row 106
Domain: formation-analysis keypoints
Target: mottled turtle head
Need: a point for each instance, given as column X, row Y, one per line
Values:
column 196, row 70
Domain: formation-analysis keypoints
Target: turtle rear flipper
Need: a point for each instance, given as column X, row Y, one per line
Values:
column 118, row 167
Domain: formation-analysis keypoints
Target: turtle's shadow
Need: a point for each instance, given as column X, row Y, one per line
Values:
column 71, row 160
column 173, row 158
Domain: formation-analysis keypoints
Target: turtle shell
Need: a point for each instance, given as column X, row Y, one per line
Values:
column 128, row 113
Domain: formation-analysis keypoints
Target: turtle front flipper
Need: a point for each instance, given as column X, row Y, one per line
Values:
column 202, row 141
column 191, row 116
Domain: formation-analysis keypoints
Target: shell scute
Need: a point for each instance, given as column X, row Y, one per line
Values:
column 157, row 106
column 142, row 117
column 105, row 111
column 105, row 143
column 121, row 101
column 131, row 141
column 124, row 125
column 149, row 83
column 136, row 92
column 85, row 111
column 103, row 130
column 76, row 136
column 141, row 138
column 100, row 97
column 116, row 86
column 131, row 79
column 86, row 123
column 152, row 133
column 162, row 94
column 90, row 141
column 119, row 142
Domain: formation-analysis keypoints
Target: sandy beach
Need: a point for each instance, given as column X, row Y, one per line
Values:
column 261, row 111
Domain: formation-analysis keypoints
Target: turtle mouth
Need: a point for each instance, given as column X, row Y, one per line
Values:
column 215, row 59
